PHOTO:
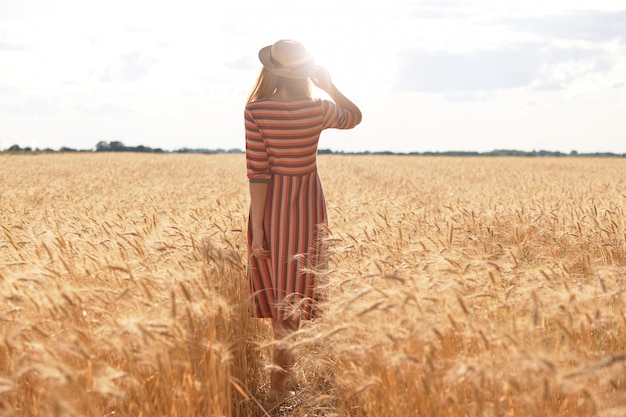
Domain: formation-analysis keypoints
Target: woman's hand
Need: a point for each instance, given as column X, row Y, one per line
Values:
column 258, row 196
column 258, row 249
column 321, row 78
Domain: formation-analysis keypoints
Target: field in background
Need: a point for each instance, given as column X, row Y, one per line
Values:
column 459, row 287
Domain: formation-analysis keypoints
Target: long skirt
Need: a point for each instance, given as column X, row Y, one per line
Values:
column 291, row 283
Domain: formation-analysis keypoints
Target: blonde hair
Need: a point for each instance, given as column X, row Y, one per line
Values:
column 268, row 83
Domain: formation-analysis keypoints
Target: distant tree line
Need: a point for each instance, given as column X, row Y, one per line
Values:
column 117, row 146
column 496, row 152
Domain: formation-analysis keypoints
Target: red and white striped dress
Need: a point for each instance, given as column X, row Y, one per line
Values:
column 281, row 148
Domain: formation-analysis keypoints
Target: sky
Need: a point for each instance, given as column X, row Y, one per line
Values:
column 429, row 75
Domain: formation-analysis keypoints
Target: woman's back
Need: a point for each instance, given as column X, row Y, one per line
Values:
column 282, row 136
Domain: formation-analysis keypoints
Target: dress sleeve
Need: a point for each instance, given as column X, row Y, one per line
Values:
column 337, row 117
column 257, row 162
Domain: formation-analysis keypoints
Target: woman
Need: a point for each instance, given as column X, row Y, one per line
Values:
column 286, row 226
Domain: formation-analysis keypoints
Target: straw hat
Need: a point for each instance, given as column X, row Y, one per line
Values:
column 287, row 58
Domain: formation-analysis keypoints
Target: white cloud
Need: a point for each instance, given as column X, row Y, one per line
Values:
column 590, row 25
column 504, row 51
column 440, row 71
column 36, row 105
column 534, row 65
column 131, row 67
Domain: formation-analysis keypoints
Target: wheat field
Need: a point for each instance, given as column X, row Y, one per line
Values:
column 459, row 287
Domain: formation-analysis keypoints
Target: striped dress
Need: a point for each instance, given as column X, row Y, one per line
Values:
column 281, row 148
